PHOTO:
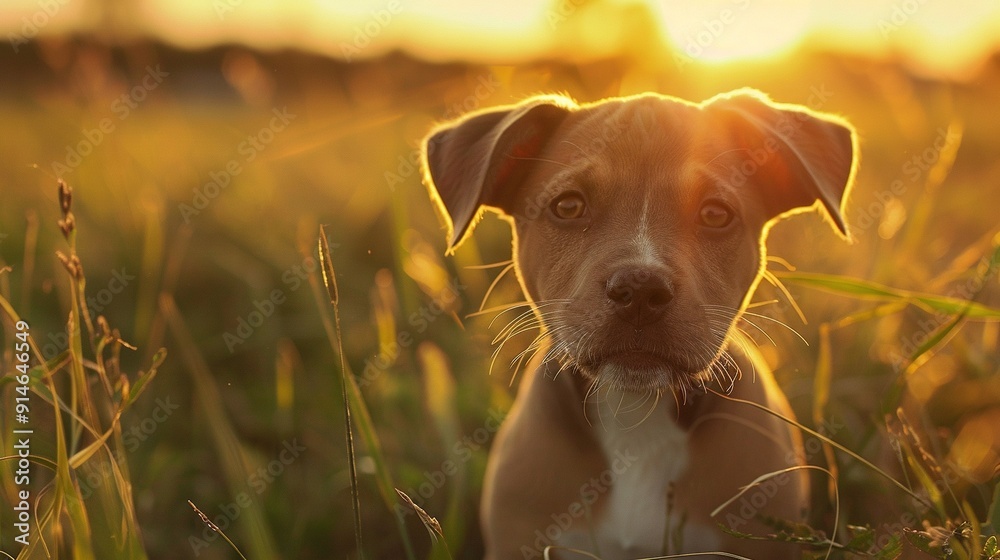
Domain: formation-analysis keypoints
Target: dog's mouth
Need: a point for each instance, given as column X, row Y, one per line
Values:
column 640, row 369
column 630, row 360
column 678, row 356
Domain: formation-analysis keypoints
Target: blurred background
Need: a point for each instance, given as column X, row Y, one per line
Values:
column 206, row 142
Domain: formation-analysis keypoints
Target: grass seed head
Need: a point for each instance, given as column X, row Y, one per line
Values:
column 65, row 197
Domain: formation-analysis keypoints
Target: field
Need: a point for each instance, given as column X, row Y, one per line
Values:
column 199, row 184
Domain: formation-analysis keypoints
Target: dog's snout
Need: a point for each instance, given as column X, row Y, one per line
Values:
column 640, row 295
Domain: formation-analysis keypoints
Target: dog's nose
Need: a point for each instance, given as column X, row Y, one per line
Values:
column 640, row 296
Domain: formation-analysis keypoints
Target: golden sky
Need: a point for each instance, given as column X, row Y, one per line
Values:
column 941, row 37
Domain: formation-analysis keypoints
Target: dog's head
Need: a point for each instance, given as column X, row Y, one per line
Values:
column 639, row 222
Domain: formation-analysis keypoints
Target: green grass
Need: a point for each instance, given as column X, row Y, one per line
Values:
column 906, row 316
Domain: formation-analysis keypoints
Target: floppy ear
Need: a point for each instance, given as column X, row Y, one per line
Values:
column 481, row 159
column 799, row 156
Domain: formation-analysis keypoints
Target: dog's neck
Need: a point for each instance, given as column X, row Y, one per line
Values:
column 627, row 410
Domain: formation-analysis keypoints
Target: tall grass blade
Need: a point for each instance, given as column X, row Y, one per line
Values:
column 440, row 546
column 865, row 289
column 215, row 528
column 145, row 377
column 833, row 443
column 361, row 417
column 767, row 476
column 330, row 282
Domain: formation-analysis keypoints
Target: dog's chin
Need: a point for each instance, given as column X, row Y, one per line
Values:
column 642, row 372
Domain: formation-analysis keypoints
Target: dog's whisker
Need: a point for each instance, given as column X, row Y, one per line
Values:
column 720, row 154
column 777, row 283
column 636, row 404
column 762, row 331
column 723, row 372
column 562, row 367
column 655, row 395
column 495, row 282
column 560, row 351
column 536, row 306
column 548, row 334
column 528, row 315
column 544, row 160
column 577, row 146
column 527, row 355
column 526, row 324
column 621, row 399
column 677, row 402
column 726, row 361
column 745, row 348
column 499, row 310
column 780, row 323
column 591, row 389
column 746, row 335
column 499, row 349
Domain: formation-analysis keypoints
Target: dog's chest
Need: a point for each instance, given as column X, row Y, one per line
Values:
column 643, row 459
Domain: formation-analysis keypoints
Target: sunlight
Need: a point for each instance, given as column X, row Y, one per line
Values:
column 727, row 30
column 947, row 39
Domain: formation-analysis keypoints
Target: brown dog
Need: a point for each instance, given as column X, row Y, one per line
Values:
column 639, row 226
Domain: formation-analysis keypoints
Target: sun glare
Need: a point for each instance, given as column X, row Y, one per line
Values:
column 727, row 30
column 941, row 38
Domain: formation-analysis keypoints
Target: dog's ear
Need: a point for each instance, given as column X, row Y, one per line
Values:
column 797, row 155
column 481, row 159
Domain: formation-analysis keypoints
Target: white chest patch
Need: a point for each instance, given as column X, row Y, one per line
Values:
column 643, row 458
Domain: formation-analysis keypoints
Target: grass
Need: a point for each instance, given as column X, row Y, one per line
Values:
column 900, row 366
column 86, row 427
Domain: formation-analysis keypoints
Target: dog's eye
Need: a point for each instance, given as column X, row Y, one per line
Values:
column 569, row 206
column 715, row 215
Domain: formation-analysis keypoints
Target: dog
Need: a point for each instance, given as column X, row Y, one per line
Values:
column 639, row 227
